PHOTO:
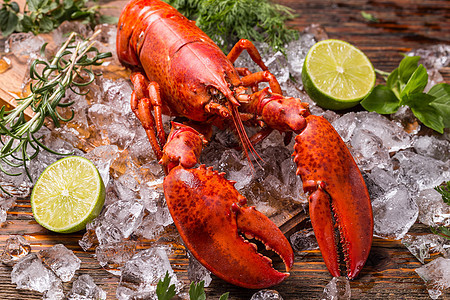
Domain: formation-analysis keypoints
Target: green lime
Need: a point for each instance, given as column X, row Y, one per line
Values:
column 337, row 75
column 68, row 194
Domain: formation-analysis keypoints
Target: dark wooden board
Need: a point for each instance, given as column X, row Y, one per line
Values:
column 389, row 273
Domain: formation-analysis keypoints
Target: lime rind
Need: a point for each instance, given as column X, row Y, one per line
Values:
column 68, row 194
column 337, row 75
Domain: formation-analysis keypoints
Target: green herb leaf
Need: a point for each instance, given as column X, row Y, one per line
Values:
column 427, row 114
column 441, row 92
column 445, row 192
column 163, row 290
column 33, row 5
column 11, row 24
column 381, row 100
column 407, row 67
column 417, row 82
column 197, row 291
column 108, row 19
column 442, row 231
column 369, row 17
column 46, row 24
column 224, row 296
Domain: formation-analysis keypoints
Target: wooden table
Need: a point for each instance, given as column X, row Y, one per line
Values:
column 389, row 273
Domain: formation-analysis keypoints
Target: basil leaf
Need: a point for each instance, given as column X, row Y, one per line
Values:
column 46, row 24
column 441, row 92
column 3, row 18
column 68, row 4
column 27, row 23
column 13, row 20
column 426, row 113
column 417, row 82
column 15, row 7
column 381, row 100
column 33, row 5
column 407, row 67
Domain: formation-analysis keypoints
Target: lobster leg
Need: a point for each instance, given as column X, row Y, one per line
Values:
column 242, row 45
column 264, row 76
column 213, row 218
column 145, row 99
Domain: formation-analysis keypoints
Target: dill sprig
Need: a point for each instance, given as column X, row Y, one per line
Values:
column 227, row 21
column 67, row 69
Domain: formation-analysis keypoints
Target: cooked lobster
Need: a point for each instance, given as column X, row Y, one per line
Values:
column 178, row 70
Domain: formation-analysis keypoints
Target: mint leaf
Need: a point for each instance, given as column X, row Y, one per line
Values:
column 224, row 296
column 407, row 67
column 441, row 92
column 197, row 291
column 163, row 290
column 427, row 114
column 381, row 100
column 417, row 82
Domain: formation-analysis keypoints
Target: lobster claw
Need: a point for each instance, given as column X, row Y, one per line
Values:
column 338, row 196
column 211, row 215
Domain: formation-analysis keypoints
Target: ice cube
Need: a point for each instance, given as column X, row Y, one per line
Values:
column 55, row 292
column 296, row 53
column 6, row 203
column 435, row 56
column 304, row 240
column 337, row 289
column 421, row 246
column 394, row 213
column 25, row 46
column 433, row 147
column 418, row 172
column 84, row 288
column 405, row 118
column 346, row 125
column 108, row 233
column 61, row 260
column 432, row 209
column 89, row 237
column 16, row 247
column 369, row 149
column 266, row 295
column 436, row 275
column 29, row 273
column 393, row 136
column 102, row 157
column 142, row 272
column 115, row 255
column 126, row 215
column 197, row 272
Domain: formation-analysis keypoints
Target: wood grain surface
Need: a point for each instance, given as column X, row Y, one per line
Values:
column 389, row 273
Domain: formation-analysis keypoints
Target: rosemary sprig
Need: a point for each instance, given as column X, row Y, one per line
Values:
column 67, row 69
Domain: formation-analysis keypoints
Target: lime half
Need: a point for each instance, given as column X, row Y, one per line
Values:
column 337, row 75
column 68, row 194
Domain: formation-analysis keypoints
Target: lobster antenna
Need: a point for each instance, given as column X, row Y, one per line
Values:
column 245, row 141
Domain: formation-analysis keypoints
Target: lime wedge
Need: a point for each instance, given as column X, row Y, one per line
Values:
column 68, row 194
column 337, row 75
